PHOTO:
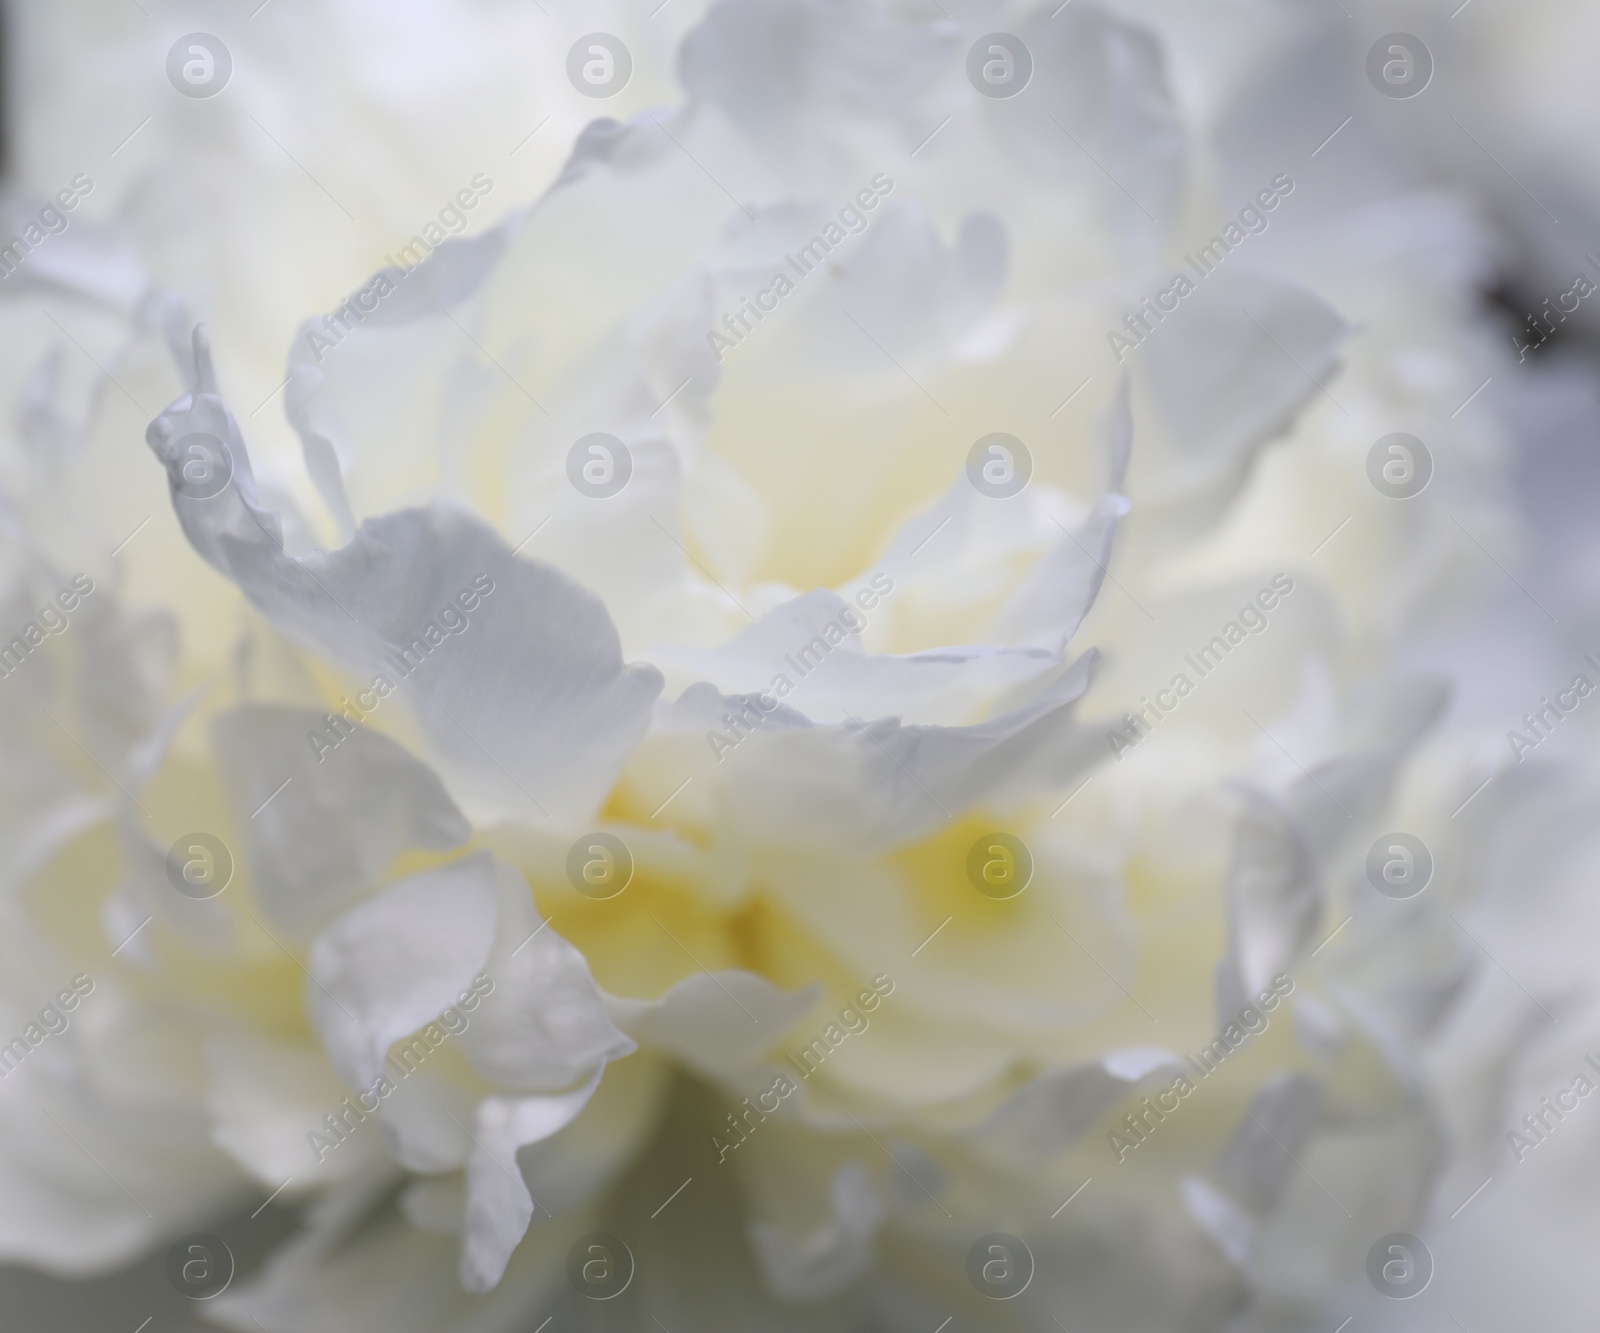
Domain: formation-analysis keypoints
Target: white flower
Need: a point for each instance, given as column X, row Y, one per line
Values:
column 698, row 737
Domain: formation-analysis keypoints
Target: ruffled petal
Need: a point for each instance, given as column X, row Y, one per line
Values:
column 393, row 963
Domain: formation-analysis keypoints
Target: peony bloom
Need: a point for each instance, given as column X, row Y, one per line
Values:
column 823, row 725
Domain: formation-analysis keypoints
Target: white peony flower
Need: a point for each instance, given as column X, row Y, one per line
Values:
column 825, row 728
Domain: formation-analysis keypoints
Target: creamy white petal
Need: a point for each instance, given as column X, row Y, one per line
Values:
column 1259, row 1160
column 769, row 65
column 266, row 1098
column 544, row 1023
column 499, row 1206
column 323, row 821
column 1227, row 377
column 875, row 783
column 814, row 643
column 104, row 1147
column 828, row 1259
column 435, row 1204
column 94, row 261
column 964, row 551
column 900, row 285
column 1284, row 846
column 146, row 895
column 715, row 1021
column 426, row 1120
column 1060, row 1106
column 1103, row 88
column 394, row 962
column 1222, row 1219
column 1050, row 605
column 1061, row 589
column 1275, row 893
column 550, row 730
column 439, row 370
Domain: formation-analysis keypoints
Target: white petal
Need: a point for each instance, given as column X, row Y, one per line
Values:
column 874, row 785
column 436, row 1204
column 715, row 1021
column 570, row 1169
column 65, row 1225
column 1229, row 1225
column 452, row 369
column 395, row 962
column 1059, row 1107
column 881, row 783
column 1060, row 590
column 426, row 1119
column 529, row 699
column 1259, row 1161
column 1103, row 80
column 323, row 824
column 810, row 641
column 145, row 896
column 764, row 66
column 94, row 261
column 1275, row 895
column 1228, row 377
column 900, row 284
column 265, row 1098
column 1282, row 846
column 499, row 1207
column 829, row 1259
column 544, row 1023
column 951, row 562
column 120, row 1092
